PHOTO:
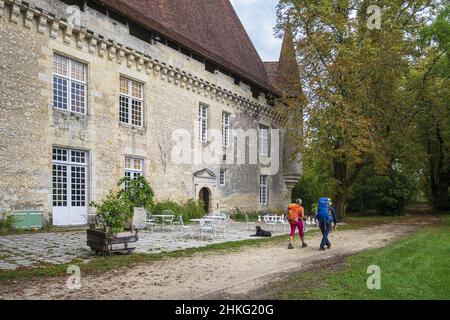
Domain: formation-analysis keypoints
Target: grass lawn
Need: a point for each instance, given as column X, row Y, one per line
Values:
column 416, row 267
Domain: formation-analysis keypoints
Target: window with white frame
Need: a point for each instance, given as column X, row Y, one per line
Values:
column 134, row 167
column 131, row 102
column 226, row 125
column 264, row 141
column 203, row 123
column 69, row 84
column 263, row 190
column 222, row 177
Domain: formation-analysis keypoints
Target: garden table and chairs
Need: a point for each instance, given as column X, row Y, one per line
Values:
column 275, row 222
column 161, row 220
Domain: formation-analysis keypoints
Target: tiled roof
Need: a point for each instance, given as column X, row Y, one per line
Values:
column 210, row 27
column 272, row 71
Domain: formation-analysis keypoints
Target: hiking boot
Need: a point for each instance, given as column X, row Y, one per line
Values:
column 322, row 249
column 290, row 246
column 329, row 247
column 304, row 245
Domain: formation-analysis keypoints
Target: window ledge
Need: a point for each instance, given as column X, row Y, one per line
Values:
column 68, row 113
column 131, row 127
column 204, row 143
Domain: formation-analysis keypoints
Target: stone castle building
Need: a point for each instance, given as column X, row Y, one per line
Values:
column 91, row 95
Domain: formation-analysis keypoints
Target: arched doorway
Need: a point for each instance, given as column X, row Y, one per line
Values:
column 205, row 196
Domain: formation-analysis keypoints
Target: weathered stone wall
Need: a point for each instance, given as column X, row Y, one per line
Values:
column 25, row 157
column 30, row 127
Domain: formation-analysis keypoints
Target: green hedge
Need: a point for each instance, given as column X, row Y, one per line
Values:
column 7, row 222
column 190, row 209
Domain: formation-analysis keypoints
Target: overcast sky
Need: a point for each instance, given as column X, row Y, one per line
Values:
column 259, row 19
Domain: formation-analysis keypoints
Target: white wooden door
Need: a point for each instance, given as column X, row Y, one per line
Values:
column 70, row 187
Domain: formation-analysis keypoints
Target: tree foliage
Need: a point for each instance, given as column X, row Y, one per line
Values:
column 386, row 193
column 359, row 111
column 138, row 191
column 430, row 77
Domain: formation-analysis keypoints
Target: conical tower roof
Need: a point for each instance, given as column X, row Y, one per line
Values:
column 285, row 74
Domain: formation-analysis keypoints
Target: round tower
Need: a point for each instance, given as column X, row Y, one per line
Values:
column 285, row 76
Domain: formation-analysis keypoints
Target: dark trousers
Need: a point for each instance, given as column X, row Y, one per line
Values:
column 325, row 227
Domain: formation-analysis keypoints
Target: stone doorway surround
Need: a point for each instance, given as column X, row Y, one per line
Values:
column 206, row 179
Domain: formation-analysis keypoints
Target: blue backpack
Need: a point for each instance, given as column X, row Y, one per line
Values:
column 322, row 211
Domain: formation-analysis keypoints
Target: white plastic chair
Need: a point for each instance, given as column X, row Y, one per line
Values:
column 277, row 224
column 250, row 225
column 223, row 226
column 208, row 227
column 168, row 220
column 150, row 222
column 183, row 228
column 177, row 221
column 271, row 223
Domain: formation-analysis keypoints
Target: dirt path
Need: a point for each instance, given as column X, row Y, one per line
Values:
column 210, row 275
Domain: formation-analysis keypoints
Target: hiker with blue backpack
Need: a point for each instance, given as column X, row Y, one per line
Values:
column 326, row 215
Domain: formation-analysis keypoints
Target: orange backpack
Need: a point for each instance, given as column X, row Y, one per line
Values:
column 293, row 214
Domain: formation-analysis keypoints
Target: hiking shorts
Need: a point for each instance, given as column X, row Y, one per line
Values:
column 299, row 225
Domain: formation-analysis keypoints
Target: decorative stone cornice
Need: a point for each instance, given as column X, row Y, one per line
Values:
column 43, row 22
column 15, row 11
column 48, row 23
column 54, row 28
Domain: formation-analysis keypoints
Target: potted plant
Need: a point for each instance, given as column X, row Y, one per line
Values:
column 112, row 231
column 139, row 192
column 114, row 227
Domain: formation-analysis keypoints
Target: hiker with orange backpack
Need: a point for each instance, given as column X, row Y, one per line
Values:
column 295, row 216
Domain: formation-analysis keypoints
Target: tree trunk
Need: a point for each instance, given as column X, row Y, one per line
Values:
column 346, row 180
column 341, row 204
column 441, row 197
column 438, row 175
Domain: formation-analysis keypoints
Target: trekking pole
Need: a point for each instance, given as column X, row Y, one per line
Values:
column 304, row 227
column 339, row 234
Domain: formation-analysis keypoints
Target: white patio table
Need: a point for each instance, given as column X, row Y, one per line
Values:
column 216, row 217
column 202, row 220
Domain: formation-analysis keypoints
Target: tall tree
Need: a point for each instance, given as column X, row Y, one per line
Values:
column 431, row 78
column 352, row 70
